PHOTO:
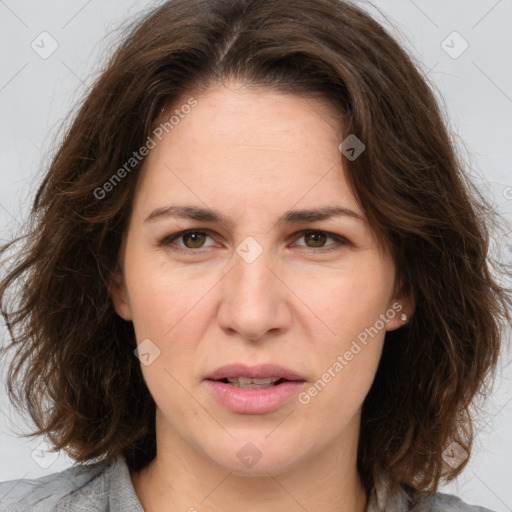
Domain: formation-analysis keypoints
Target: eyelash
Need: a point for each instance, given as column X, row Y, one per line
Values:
column 168, row 241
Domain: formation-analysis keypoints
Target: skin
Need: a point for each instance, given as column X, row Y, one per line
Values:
column 253, row 154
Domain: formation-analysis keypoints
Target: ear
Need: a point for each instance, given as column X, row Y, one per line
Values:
column 399, row 312
column 119, row 295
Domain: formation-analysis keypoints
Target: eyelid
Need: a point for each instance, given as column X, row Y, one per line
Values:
column 167, row 241
column 338, row 238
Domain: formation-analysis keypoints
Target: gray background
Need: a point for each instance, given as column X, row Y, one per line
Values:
column 475, row 90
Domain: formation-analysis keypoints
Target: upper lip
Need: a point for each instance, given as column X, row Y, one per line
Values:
column 260, row 371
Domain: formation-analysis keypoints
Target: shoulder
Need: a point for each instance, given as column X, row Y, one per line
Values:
column 93, row 487
column 85, row 483
column 441, row 502
column 409, row 500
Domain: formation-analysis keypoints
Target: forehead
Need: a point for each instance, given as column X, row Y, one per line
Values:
column 235, row 116
column 257, row 146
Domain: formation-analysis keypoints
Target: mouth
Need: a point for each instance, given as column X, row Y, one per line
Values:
column 260, row 376
column 253, row 383
column 254, row 389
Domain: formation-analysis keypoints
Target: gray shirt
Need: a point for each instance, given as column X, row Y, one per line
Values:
column 107, row 487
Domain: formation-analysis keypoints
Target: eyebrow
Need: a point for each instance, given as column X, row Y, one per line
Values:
column 289, row 217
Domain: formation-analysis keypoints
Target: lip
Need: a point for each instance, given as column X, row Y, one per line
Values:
column 254, row 401
column 260, row 371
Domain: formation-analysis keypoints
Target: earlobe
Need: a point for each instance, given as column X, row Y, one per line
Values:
column 399, row 313
column 119, row 296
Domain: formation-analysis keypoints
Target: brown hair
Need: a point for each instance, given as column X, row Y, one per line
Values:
column 74, row 367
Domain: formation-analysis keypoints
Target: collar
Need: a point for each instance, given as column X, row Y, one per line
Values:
column 124, row 499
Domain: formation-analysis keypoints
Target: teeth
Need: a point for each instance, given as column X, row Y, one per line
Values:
column 252, row 383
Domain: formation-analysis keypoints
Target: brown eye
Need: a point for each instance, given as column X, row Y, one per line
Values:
column 195, row 238
column 188, row 239
column 317, row 238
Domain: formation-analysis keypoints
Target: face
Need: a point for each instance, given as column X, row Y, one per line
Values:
column 258, row 291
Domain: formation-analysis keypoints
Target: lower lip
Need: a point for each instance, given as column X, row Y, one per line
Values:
column 254, row 401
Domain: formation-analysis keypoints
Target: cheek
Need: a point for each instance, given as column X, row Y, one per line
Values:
column 346, row 372
column 162, row 300
column 348, row 300
column 348, row 351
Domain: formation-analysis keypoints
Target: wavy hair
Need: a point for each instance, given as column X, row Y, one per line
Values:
column 73, row 367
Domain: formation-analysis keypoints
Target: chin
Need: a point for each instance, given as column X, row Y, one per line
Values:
column 256, row 455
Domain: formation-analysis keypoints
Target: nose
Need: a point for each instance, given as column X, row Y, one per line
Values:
column 254, row 303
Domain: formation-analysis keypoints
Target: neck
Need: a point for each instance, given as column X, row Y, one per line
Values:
column 180, row 478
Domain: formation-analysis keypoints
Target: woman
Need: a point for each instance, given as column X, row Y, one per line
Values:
column 258, row 277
